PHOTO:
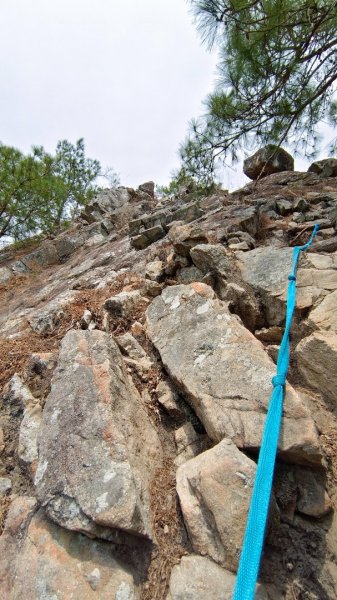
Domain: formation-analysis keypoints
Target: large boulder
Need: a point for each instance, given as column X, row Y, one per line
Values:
column 224, row 372
column 268, row 160
column 39, row 560
column 97, row 448
column 326, row 167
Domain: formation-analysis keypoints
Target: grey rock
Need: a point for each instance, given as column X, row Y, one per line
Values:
column 5, row 275
column 28, row 437
column 329, row 245
column 131, row 346
column 184, row 237
column 5, row 486
column 39, row 560
column 313, row 500
column 154, row 270
column 245, row 218
column 266, row 270
column 189, row 274
column 43, row 256
column 147, row 237
column 17, row 394
column 46, row 319
column 97, row 449
column 266, row 161
column 325, row 168
column 284, row 207
column 211, row 257
column 300, row 204
column 198, row 578
column 224, row 372
column 168, row 398
column 147, row 187
column 189, row 443
column 242, row 302
column 316, row 359
column 242, row 246
column 123, row 303
column 324, row 316
column 214, row 491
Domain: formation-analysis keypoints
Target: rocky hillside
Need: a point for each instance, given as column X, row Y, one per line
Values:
column 137, row 352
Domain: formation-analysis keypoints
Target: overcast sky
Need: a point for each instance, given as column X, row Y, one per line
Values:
column 125, row 75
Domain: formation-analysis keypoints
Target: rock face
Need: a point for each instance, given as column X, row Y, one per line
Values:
column 41, row 560
column 96, row 447
column 224, row 371
column 266, row 161
column 111, row 426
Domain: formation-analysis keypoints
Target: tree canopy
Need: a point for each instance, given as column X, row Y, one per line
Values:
column 39, row 191
column 277, row 70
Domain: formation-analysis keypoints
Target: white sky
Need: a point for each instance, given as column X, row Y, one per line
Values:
column 125, row 75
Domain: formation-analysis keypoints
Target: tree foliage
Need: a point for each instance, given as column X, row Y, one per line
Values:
column 277, row 71
column 38, row 191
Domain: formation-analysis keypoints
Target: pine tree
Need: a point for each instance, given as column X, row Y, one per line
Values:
column 277, row 71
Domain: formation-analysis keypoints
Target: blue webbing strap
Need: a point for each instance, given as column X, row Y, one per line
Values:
column 259, row 505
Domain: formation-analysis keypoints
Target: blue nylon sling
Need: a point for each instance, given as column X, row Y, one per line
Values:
column 259, row 504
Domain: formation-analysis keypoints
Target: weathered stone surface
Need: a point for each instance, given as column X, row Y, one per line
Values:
column 154, row 270
column 17, row 394
column 284, row 207
column 313, row 500
column 224, row 372
column 325, row 315
column 326, row 167
column 147, row 237
column 97, row 449
column 189, row 274
column 211, row 257
column 123, row 304
column 5, row 275
column 214, row 491
column 242, row 302
column 189, row 443
column 5, row 486
column 185, row 237
column 147, row 187
column 198, row 578
column 28, row 437
column 168, row 398
column 44, row 320
column 245, row 218
column 317, row 359
column 39, row 560
column 266, row 270
column 266, row 161
column 45, row 255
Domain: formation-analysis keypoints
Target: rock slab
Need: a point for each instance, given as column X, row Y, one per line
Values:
column 97, row 449
column 224, row 372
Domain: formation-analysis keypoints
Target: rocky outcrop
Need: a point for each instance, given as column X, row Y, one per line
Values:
column 96, row 447
column 164, row 318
